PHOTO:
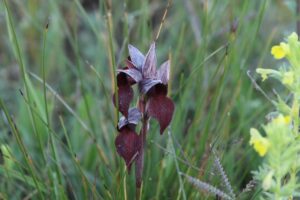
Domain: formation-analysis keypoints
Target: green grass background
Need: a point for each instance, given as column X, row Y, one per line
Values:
column 62, row 146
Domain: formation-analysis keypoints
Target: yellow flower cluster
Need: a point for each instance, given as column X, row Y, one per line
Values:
column 283, row 50
column 280, row 145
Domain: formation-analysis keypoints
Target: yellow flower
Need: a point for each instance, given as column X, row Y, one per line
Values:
column 260, row 144
column 280, row 51
column 264, row 76
column 277, row 52
column 264, row 73
column 282, row 120
column 288, row 78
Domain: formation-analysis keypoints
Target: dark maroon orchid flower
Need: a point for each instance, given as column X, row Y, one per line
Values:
column 128, row 142
column 153, row 103
column 152, row 83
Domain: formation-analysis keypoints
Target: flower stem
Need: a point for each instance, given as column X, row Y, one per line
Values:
column 139, row 163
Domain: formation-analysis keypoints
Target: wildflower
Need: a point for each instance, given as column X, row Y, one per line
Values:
column 260, row 144
column 128, row 143
column 280, row 51
column 153, row 102
column 125, row 92
column 278, row 173
column 264, row 75
column 152, row 83
column 267, row 72
column 282, row 120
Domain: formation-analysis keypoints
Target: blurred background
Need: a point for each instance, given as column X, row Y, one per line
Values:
column 212, row 44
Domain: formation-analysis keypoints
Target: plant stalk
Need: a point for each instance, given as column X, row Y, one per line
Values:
column 139, row 163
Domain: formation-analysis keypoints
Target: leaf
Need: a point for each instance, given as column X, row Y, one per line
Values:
column 164, row 72
column 149, row 65
column 146, row 84
column 1, row 157
column 134, row 116
column 136, row 56
column 128, row 144
column 133, row 73
column 161, row 108
column 125, row 96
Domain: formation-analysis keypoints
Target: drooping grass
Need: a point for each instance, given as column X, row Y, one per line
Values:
column 61, row 131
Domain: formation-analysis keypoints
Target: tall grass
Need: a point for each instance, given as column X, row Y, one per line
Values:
column 60, row 130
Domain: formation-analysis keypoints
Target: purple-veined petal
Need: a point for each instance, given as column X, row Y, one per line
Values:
column 129, row 64
column 135, row 74
column 124, row 79
column 161, row 108
column 137, row 58
column 134, row 116
column 146, row 84
column 122, row 122
column 149, row 65
column 163, row 72
column 125, row 96
column 128, row 144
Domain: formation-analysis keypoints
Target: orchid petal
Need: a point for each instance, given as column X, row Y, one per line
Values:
column 129, row 64
column 122, row 79
column 136, row 56
column 161, row 108
column 133, row 73
column 134, row 116
column 158, row 89
column 149, row 65
column 164, row 72
column 125, row 96
column 128, row 144
column 146, row 84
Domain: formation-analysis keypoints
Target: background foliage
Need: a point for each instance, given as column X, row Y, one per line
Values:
column 212, row 45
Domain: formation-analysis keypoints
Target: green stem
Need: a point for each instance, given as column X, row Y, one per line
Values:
column 113, row 63
column 295, row 114
column 54, row 153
